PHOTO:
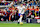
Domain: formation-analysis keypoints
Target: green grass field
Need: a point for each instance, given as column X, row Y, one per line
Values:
column 18, row 25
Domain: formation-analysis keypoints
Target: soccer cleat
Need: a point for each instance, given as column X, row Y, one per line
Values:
column 18, row 22
column 21, row 23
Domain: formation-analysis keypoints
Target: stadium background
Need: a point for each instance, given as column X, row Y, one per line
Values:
column 5, row 4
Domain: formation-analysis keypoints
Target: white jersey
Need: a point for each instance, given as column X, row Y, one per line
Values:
column 21, row 9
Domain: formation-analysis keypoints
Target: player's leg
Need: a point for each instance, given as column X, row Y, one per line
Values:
column 19, row 19
column 21, row 16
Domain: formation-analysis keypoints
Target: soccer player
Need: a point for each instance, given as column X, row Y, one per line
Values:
column 21, row 10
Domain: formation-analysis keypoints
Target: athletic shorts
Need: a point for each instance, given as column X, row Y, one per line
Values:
column 20, row 14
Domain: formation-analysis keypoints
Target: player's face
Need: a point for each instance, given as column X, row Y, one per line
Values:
column 21, row 5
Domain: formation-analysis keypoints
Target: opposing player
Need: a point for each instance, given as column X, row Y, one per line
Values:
column 21, row 10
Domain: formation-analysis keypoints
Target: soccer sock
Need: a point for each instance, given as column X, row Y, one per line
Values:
column 20, row 19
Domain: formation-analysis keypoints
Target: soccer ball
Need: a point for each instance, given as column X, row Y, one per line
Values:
column 21, row 23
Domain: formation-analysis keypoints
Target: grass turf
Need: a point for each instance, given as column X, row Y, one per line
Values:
column 18, row 25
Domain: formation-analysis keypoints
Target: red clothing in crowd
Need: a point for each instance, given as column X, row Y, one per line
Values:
column 1, row 0
column 6, row 13
column 10, row 13
column 0, row 11
column 37, row 9
column 10, row 8
column 32, row 9
column 30, row 14
column 27, row 9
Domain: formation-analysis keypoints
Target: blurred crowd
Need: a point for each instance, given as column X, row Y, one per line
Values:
column 11, row 13
column 16, row 2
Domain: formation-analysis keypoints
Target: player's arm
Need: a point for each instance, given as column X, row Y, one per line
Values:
column 24, row 9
